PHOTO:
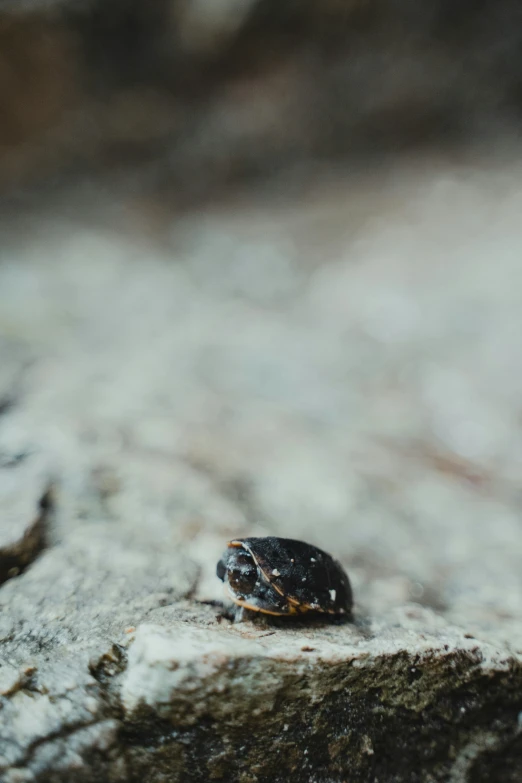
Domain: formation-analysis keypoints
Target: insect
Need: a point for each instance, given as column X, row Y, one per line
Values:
column 280, row 576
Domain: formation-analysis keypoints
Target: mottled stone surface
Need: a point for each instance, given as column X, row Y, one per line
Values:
column 25, row 501
column 343, row 369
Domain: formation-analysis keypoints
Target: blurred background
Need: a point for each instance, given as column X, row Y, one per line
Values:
column 260, row 270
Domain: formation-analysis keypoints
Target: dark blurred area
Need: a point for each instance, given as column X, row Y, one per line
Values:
column 187, row 98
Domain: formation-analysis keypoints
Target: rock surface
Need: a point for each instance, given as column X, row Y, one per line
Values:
column 344, row 370
column 25, row 500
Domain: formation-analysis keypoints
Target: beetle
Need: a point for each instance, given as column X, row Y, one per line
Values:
column 283, row 577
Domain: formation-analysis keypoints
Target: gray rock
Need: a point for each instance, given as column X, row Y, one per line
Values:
column 350, row 396
column 25, row 502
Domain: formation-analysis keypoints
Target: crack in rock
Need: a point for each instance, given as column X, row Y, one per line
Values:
column 26, row 503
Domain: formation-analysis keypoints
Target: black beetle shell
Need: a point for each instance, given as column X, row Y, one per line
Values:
column 294, row 577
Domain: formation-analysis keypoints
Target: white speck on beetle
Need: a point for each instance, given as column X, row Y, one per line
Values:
column 275, row 572
column 313, row 560
column 332, row 594
column 292, row 560
column 303, row 579
column 285, row 727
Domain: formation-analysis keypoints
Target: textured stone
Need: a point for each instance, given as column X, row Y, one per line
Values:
column 25, row 501
column 313, row 703
column 359, row 389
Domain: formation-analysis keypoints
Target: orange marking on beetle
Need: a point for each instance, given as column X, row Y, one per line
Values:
column 252, row 608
